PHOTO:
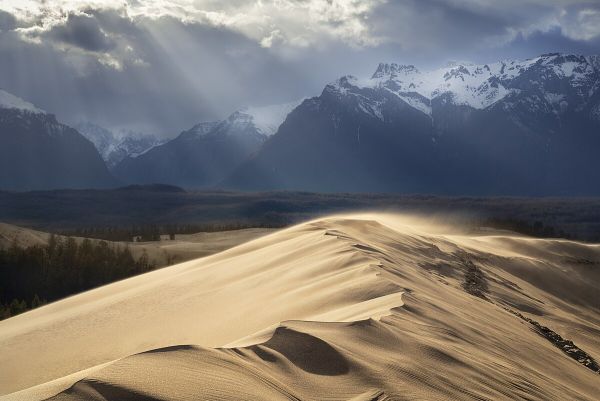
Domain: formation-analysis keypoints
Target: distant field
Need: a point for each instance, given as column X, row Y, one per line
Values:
column 160, row 253
column 69, row 210
column 37, row 267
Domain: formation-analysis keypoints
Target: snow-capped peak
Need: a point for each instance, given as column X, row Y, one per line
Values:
column 477, row 86
column 264, row 120
column 456, row 63
column 10, row 101
column 393, row 70
column 203, row 128
column 267, row 119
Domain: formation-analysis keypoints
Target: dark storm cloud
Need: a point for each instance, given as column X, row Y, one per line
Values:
column 539, row 42
column 436, row 30
column 433, row 24
column 82, row 31
column 123, row 67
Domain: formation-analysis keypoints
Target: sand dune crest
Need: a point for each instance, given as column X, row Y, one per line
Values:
column 368, row 307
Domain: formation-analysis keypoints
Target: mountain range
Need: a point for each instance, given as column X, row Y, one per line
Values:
column 511, row 128
column 208, row 153
column 528, row 127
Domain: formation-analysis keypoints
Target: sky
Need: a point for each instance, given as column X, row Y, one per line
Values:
column 160, row 66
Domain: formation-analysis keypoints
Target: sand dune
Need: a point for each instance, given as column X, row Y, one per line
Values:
column 23, row 237
column 367, row 307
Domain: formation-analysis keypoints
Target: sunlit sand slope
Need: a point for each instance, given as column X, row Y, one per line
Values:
column 349, row 307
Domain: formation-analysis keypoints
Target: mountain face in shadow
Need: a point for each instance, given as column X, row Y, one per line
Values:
column 206, row 154
column 510, row 128
column 38, row 152
column 199, row 157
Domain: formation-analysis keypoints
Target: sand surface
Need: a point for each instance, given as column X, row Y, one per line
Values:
column 366, row 307
column 22, row 237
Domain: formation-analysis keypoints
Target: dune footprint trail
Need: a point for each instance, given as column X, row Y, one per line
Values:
column 371, row 307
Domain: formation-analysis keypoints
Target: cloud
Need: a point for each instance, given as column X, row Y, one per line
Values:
column 163, row 65
column 300, row 22
column 82, row 31
column 169, row 75
column 581, row 22
column 431, row 25
column 288, row 26
column 437, row 25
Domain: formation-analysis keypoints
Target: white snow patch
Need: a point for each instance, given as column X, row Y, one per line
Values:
column 417, row 103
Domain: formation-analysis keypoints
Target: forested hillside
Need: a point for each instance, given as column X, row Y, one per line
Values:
column 32, row 276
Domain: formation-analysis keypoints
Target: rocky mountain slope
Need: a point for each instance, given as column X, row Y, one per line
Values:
column 510, row 128
column 208, row 152
column 38, row 152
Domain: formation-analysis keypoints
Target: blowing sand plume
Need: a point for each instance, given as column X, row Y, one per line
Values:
column 361, row 307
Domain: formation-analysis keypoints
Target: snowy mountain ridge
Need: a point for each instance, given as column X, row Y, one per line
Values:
column 479, row 86
column 115, row 146
column 526, row 127
column 202, row 128
column 263, row 120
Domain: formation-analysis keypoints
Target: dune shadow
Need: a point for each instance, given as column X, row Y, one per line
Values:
column 263, row 354
column 92, row 390
column 170, row 348
column 307, row 352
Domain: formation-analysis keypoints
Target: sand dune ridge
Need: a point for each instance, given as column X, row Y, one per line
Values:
column 348, row 307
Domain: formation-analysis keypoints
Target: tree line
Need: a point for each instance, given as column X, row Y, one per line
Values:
column 536, row 229
column 153, row 232
column 31, row 276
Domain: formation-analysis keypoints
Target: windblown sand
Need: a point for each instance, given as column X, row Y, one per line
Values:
column 368, row 307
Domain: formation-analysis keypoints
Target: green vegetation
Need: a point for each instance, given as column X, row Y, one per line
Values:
column 153, row 232
column 536, row 229
column 32, row 276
